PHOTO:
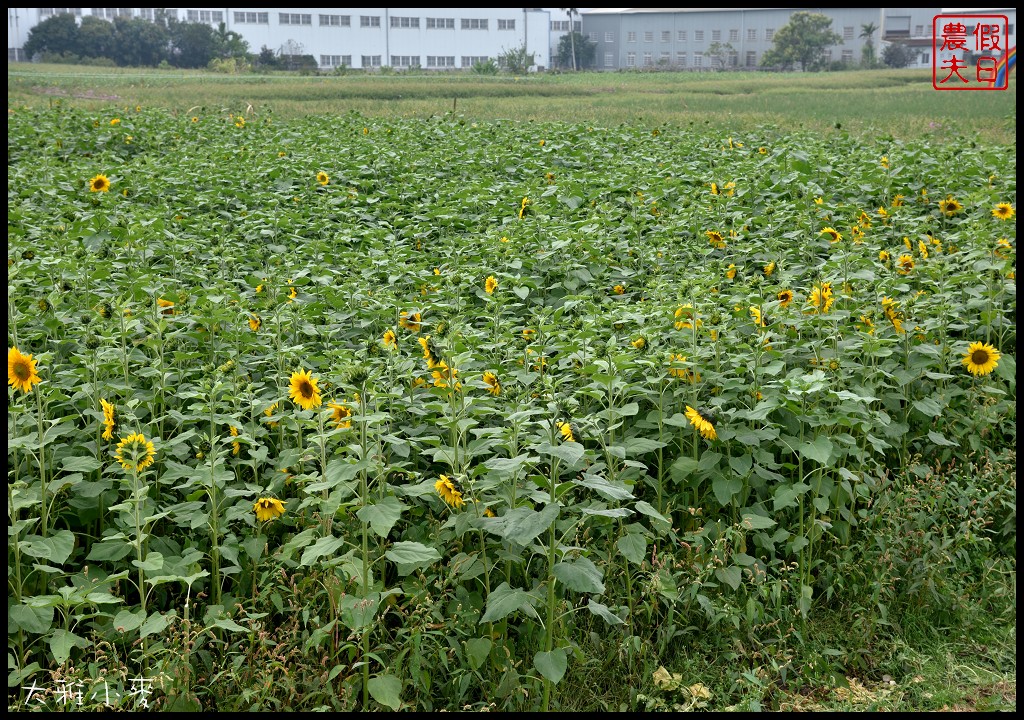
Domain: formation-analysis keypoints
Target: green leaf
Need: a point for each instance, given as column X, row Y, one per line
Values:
column 604, row 613
column 817, row 450
column 387, row 690
column 80, row 464
column 725, row 486
column 156, row 623
column 757, row 522
column 505, row 600
column 552, row 664
column 731, row 576
column 127, row 620
column 940, row 439
column 647, row 509
column 609, row 490
column 477, row 650
column 359, row 613
column 62, row 642
column 639, row 445
column 323, row 546
column 786, row 495
column 228, row 624
column 56, row 548
column 930, row 406
column 579, row 575
column 569, row 452
column 409, row 556
column 522, row 524
column 110, row 550
column 633, row 547
column 741, row 464
column 383, row 515
column 154, row 561
column 30, row 619
column 683, row 468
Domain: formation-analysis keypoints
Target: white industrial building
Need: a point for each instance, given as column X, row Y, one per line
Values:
column 446, row 39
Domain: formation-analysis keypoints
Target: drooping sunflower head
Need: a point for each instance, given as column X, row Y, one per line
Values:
column 100, row 183
column 304, row 391
column 715, row 239
column 755, row 313
column 490, row 284
column 883, row 256
column 703, row 421
column 950, row 206
column 1003, row 211
column 323, row 178
column 255, row 322
column 981, row 359
column 714, row 188
column 109, row 419
column 769, row 269
column 342, row 415
column 678, row 367
column 730, row 272
column 410, row 320
column 832, row 233
column 640, row 343
column 267, row 508
column 448, row 492
column 905, row 264
column 619, row 289
column 21, row 370
column 135, row 452
column 389, row 338
column 430, row 352
column 493, row 386
column 785, row 297
column 922, row 249
column 568, row 430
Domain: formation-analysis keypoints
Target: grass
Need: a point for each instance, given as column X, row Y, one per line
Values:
column 900, row 103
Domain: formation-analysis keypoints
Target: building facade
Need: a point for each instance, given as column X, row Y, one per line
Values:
column 456, row 38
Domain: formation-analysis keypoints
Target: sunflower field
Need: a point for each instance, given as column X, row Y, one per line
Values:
column 344, row 413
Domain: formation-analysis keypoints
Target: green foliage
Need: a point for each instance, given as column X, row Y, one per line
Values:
column 516, row 60
column 801, row 41
column 56, row 35
column 897, row 55
column 489, row 67
column 575, row 50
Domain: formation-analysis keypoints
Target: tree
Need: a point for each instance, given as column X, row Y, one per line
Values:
column 517, row 61
column 193, row 45
column 867, row 32
column 139, row 43
column 572, row 33
column 96, row 38
column 577, row 50
column 719, row 50
column 57, row 34
column 897, row 55
column 802, row 40
column 230, row 44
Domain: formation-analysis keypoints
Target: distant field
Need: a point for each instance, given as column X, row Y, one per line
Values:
column 897, row 102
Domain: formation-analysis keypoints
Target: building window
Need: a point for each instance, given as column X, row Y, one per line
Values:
column 648, row 36
column 404, row 22
column 474, row 23
column 145, row 13
column 631, row 59
column 665, row 58
column 44, row 12
column 405, row 61
column 369, row 21
column 294, row 19
column 680, row 35
column 847, row 56
column 440, row 23
column 371, row 61
column 681, row 59
column 441, row 61
column 751, row 58
column 734, row 58
column 334, row 61
column 559, row 26
column 631, row 36
column 336, row 21
column 848, row 32
column 734, row 35
column 926, row 58
column 716, row 36
column 252, row 18
column 769, row 34
column 507, row 24
column 751, row 33
column 666, row 36
column 698, row 59
column 648, row 59
column 609, row 37
column 828, row 55
column 698, row 36
column 469, row 61
column 918, row 30
column 609, row 59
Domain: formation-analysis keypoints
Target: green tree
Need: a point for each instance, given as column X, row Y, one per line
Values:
column 96, row 38
column 576, row 50
column 139, row 43
column 230, row 44
column 517, row 61
column 57, row 34
column 897, row 55
column 719, row 51
column 802, row 40
column 867, row 32
column 572, row 32
column 193, row 45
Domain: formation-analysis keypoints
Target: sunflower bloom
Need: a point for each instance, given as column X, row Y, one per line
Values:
column 714, row 188
column 769, row 269
column 389, row 338
column 950, row 206
column 166, row 306
column 100, row 183
column 1003, row 211
column 821, row 298
column 715, row 239
column 619, row 289
column 686, row 318
column 109, row 420
column 445, row 376
column 135, row 452
column 268, row 508
column 905, row 264
column 785, row 297
column 683, row 373
column 446, row 489
column 922, row 249
column 569, row 433
column 522, row 207
column 21, row 370
column 430, row 353
column 236, row 447
column 980, row 359
column 490, row 284
column 269, row 412
column 410, row 321
column 730, row 272
column 833, row 234
column 304, row 391
column 323, row 178
column 883, row 256
column 755, row 313
column 342, row 415
column 493, row 386
column 701, row 422
column 255, row 322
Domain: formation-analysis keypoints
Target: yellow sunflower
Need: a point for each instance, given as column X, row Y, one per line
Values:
column 236, row 447
column 567, row 431
column 785, row 297
column 619, row 289
column 980, row 359
column 100, row 183
column 493, row 386
column 342, row 415
column 446, row 489
column 490, row 284
column 686, row 318
column 410, row 321
column 1003, row 211
column 714, row 188
column 109, row 420
column 430, row 353
column 833, row 234
column 755, row 313
column 700, row 419
column 323, row 178
column 730, row 271
column 640, row 343
column 715, row 239
column 389, row 338
column 950, row 206
column 905, row 264
column 684, row 373
column 821, row 298
column 883, row 256
column 304, row 391
column 522, row 207
column 135, row 452
column 21, row 370
column 255, row 322
column 769, row 269
column 268, row 508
